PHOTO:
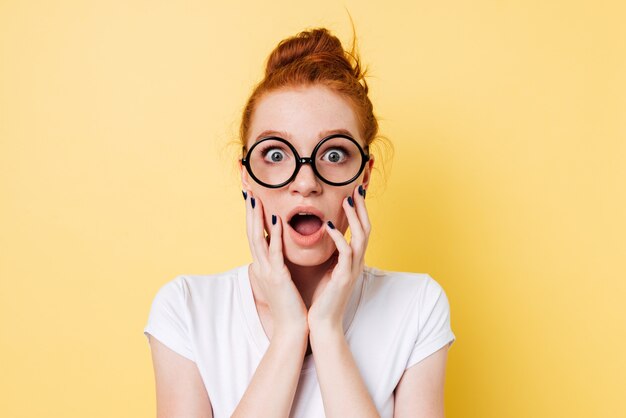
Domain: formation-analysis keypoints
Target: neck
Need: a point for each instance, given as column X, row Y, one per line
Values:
column 307, row 278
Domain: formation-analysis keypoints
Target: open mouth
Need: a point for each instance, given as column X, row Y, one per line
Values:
column 305, row 223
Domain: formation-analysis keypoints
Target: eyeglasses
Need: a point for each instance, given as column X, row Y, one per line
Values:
column 336, row 160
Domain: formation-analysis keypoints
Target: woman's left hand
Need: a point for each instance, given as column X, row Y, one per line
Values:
column 332, row 294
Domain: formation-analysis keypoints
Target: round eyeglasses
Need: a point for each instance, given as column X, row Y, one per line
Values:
column 336, row 160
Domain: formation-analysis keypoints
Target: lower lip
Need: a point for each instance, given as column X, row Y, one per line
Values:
column 306, row 240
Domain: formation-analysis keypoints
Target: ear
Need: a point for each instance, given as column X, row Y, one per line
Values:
column 367, row 172
column 245, row 179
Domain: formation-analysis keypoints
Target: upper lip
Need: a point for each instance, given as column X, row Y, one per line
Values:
column 304, row 209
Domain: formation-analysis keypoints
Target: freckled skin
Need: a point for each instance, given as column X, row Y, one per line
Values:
column 305, row 115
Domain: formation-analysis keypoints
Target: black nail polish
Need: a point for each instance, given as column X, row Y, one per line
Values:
column 364, row 193
column 350, row 201
column 245, row 195
column 252, row 202
column 273, row 219
column 361, row 190
column 331, row 225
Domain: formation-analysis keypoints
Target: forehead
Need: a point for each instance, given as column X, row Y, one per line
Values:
column 303, row 116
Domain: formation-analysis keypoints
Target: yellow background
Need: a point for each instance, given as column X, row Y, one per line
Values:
column 508, row 186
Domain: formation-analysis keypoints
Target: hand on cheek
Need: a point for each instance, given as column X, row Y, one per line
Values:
column 271, row 274
column 330, row 299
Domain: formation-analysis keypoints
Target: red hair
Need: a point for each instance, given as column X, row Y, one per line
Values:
column 315, row 57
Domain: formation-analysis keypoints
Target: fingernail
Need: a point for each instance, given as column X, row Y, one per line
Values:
column 273, row 219
column 361, row 190
column 252, row 202
column 350, row 201
column 364, row 193
column 245, row 195
column 331, row 225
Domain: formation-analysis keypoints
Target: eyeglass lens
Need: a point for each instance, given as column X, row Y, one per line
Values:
column 337, row 160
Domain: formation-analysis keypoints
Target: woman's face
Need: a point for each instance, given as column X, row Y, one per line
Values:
column 303, row 116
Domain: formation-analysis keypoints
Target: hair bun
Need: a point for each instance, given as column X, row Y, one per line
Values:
column 315, row 57
column 315, row 45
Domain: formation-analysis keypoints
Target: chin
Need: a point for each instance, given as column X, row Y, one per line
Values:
column 307, row 257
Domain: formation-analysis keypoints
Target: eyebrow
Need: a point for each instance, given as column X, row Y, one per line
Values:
column 285, row 135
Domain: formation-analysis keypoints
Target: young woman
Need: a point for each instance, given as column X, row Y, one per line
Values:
column 306, row 329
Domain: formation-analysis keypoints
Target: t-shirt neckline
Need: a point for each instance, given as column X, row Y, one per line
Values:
column 253, row 321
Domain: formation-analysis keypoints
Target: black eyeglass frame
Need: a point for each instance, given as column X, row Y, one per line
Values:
column 300, row 161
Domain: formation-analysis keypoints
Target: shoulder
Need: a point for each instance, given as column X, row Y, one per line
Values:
column 402, row 294
column 187, row 302
column 187, row 285
column 190, row 292
column 407, row 285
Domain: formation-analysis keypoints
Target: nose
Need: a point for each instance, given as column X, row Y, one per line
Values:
column 306, row 182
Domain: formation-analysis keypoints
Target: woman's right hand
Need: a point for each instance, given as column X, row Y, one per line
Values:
column 289, row 313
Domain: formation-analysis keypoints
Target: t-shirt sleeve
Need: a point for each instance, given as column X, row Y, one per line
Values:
column 434, row 330
column 168, row 320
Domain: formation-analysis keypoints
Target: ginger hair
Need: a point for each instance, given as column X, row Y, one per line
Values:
column 315, row 57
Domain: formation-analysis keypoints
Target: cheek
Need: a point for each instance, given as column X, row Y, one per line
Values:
column 269, row 208
column 269, row 204
column 341, row 219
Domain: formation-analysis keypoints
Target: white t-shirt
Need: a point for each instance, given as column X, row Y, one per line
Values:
column 392, row 321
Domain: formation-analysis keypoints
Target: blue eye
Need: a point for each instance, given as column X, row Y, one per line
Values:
column 273, row 154
column 335, row 155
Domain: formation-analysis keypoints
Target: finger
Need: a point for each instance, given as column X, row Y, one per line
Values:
column 356, row 229
column 249, row 224
column 258, row 238
column 344, row 259
column 276, row 243
column 361, row 210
